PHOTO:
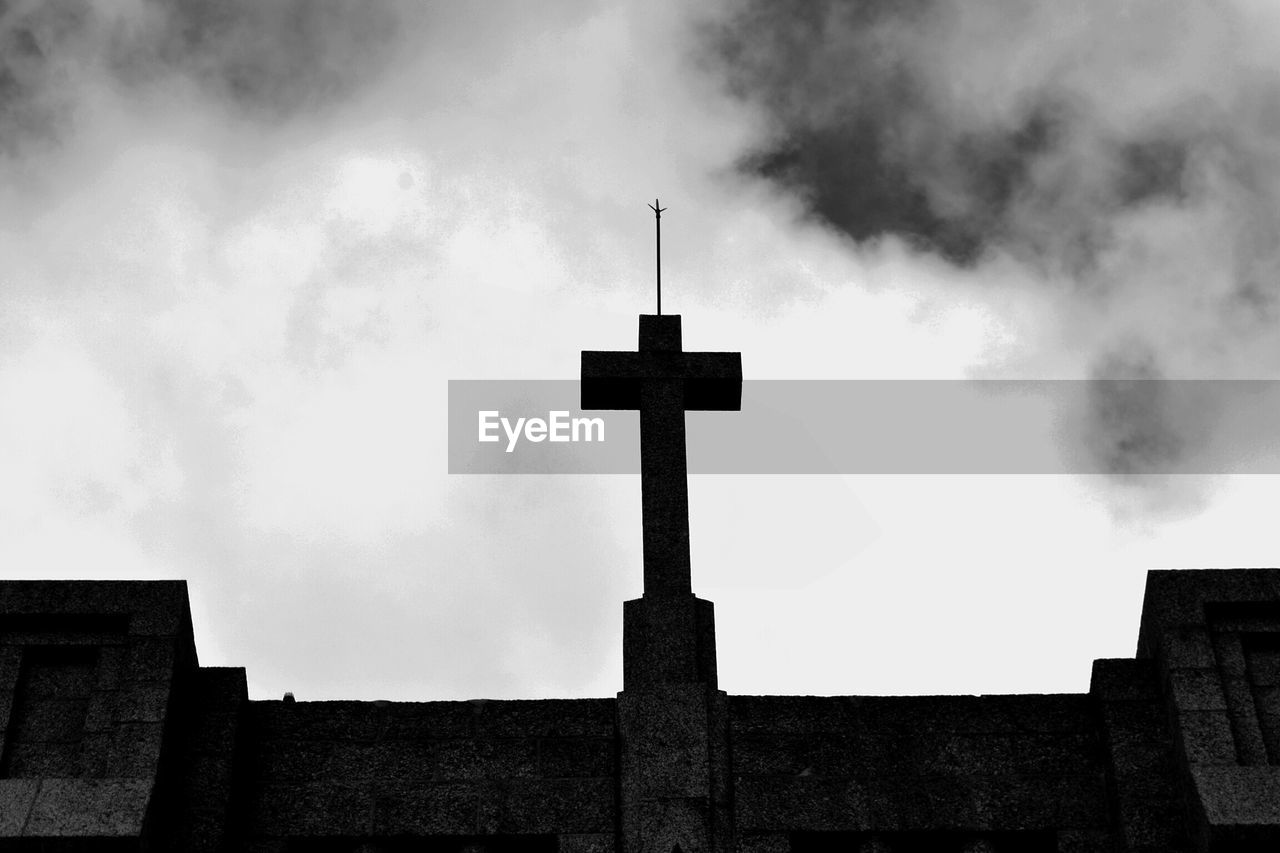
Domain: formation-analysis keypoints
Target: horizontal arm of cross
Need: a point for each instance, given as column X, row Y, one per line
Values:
column 612, row 380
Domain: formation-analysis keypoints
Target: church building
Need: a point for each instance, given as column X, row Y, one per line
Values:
column 114, row 738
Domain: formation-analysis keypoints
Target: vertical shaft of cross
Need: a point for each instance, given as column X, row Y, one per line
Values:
column 664, row 489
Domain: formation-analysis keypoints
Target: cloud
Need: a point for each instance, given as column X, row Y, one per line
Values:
column 271, row 59
column 39, row 46
column 1121, row 157
column 1130, row 429
column 68, row 66
column 999, row 126
column 246, row 244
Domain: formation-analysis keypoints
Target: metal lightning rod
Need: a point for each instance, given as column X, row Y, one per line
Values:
column 657, row 224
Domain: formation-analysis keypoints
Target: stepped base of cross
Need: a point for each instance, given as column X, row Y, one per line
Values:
column 669, row 639
column 675, row 790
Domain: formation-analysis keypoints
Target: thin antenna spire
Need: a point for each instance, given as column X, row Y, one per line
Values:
column 657, row 224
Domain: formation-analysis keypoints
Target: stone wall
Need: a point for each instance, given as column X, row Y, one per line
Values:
column 1212, row 641
column 871, row 770
column 115, row 739
column 381, row 770
column 88, row 677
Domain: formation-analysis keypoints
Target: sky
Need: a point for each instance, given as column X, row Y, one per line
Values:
column 246, row 245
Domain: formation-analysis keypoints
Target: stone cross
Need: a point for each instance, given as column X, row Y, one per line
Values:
column 663, row 382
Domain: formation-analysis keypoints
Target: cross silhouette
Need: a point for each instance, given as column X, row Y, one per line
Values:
column 663, row 382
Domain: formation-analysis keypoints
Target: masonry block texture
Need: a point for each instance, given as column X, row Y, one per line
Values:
column 116, row 739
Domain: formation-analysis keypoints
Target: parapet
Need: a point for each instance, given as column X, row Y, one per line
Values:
column 87, row 682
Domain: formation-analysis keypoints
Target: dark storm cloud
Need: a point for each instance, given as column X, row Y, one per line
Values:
column 270, row 59
column 276, row 57
column 867, row 128
column 1130, row 429
column 37, row 42
column 853, row 176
